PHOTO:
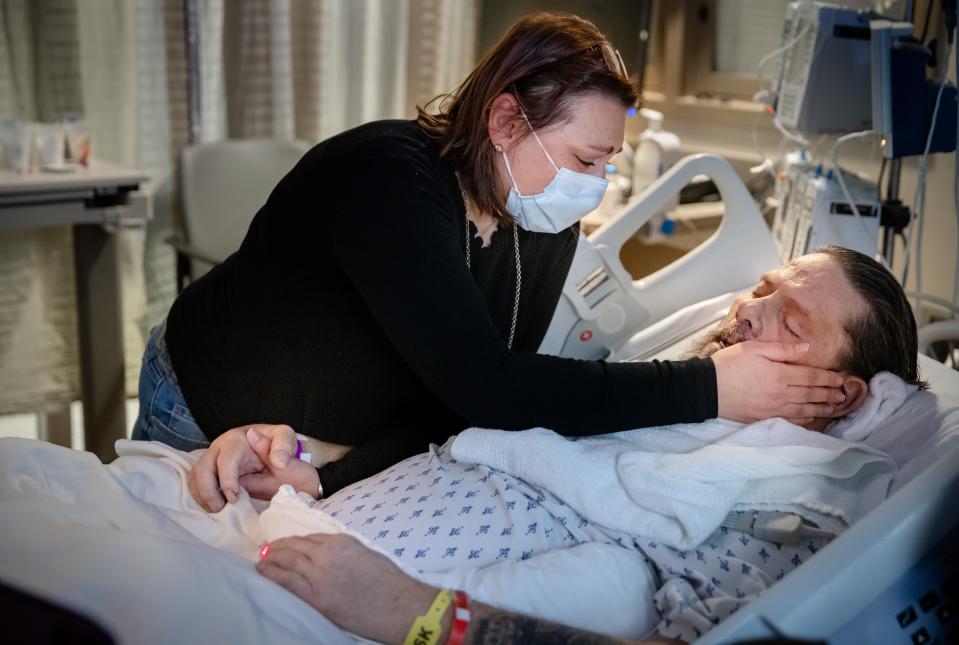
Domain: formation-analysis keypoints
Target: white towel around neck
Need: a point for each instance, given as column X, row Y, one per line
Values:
column 886, row 393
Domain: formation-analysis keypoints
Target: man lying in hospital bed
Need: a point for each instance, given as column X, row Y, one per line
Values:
column 489, row 495
column 474, row 526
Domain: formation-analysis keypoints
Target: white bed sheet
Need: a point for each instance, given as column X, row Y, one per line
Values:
column 126, row 545
column 81, row 534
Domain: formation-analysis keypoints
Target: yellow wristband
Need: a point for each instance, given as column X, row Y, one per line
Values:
column 427, row 629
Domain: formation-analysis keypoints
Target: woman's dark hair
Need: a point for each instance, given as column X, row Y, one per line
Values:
column 545, row 60
column 884, row 338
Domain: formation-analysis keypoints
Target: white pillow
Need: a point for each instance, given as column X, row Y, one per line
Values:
column 671, row 337
column 924, row 426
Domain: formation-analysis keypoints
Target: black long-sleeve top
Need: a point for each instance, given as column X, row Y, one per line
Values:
column 349, row 313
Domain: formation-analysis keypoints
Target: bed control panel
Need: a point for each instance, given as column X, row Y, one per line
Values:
column 920, row 608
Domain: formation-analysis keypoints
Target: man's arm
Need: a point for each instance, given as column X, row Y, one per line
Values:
column 489, row 626
column 364, row 593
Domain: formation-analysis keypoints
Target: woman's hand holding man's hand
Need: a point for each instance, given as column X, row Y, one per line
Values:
column 257, row 458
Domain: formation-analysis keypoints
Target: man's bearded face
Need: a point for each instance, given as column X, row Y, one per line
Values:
column 807, row 300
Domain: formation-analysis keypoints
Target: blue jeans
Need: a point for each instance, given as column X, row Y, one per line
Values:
column 164, row 415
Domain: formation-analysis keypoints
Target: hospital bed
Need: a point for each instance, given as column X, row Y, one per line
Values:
column 894, row 576
column 867, row 579
column 602, row 306
column 895, row 573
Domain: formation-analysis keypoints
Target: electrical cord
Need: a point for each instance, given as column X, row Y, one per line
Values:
column 955, row 199
column 882, row 173
column 951, row 307
column 773, row 54
column 774, row 526
column 925, row 22
column 853, row 208
column 792, row 136
column 919, row 200
column 765, row 96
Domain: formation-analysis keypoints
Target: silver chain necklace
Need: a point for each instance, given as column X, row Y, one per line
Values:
column 519, row 271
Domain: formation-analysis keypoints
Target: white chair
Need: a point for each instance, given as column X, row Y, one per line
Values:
column 224, row 184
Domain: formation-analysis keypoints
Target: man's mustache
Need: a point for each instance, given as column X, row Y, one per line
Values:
column 730, row 334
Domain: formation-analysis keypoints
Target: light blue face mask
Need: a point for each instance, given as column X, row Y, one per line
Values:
column 567, row 198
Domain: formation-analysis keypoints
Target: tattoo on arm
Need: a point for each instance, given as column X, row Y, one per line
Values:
column 491, row 626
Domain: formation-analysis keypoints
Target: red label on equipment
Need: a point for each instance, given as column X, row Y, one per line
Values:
column 586, row 335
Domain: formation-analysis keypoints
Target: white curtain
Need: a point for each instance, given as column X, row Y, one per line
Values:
column 152, row 76
column 107, row 74
column 212, row 94
column 333, row 64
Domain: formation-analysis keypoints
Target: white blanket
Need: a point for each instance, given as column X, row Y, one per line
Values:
column 126, row 544
column 676, row 484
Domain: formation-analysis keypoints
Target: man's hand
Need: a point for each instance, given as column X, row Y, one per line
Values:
column 755, row 382
column 264, row 483
column 356, row 588
column 257, row 458
column 364, row 593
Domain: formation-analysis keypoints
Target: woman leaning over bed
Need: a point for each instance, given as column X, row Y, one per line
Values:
column 385, row 316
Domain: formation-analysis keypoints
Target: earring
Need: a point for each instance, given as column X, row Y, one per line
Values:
column 498, row 148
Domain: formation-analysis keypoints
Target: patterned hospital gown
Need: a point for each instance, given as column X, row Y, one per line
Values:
column 701, row 587
column 437, row 514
